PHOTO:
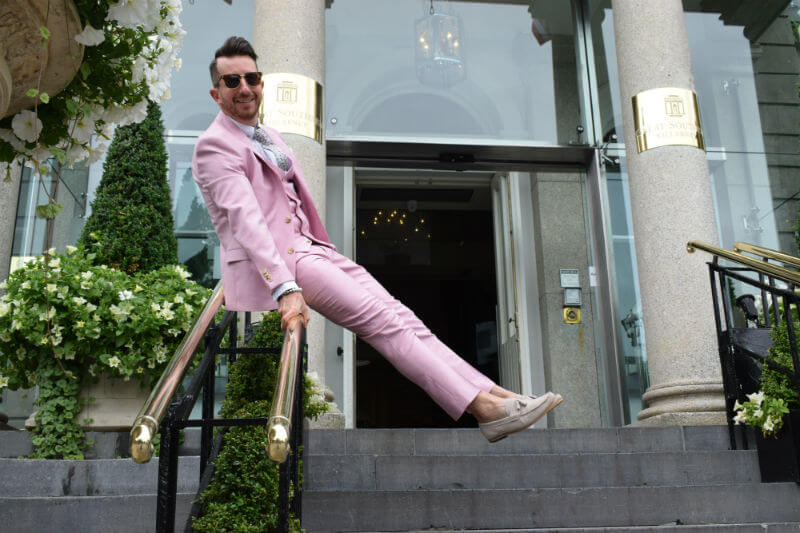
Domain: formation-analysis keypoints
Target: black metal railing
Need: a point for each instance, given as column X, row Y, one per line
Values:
column 744, row 330
column 171, row 411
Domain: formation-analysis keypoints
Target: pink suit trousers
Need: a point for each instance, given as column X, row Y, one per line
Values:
column 345, row 293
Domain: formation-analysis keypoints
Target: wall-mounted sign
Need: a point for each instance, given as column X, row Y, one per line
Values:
column 292, row 104
column 667, row 117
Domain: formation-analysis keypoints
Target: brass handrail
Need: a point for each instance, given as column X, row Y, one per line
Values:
column 152, row 412
column 280, row 415
column 760, row 266
column 766, row 253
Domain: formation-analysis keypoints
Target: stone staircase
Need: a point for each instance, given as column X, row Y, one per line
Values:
column 569, row 480
column 612, row 479
column 103, row 494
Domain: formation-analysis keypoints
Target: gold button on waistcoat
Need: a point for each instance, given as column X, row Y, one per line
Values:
column 291, row 250
column 287, row 219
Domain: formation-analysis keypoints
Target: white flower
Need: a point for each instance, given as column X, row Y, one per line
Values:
column 121, row 312
column 21, row 353
column 769, row 425
column 167, row 314
column 182, row 272
column 26, row 125
column 3, row 381
column 55, row 262
column 125, row 295
column 90, row 36
column 758, row 413
column 86, row 275
column 26, row 284
column 71, row 249
column 79, row 300
column 5, row 337
column 756, row 397
column 16, row 324
column 178, row 299
column 740, row 418
column 4, row 285
column 85, row 285
column 91, row 307
column 9, row 137
column 70, row 355
column 114, row 362
column 4, row 309
column 52, row 287
column 130, row 13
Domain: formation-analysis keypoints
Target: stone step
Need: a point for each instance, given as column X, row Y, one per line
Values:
column 106, row 444
column 87, row 514
column 609, row 507
column 471, row 442
column 666, row 528
column 28, row 478
column 398, row 472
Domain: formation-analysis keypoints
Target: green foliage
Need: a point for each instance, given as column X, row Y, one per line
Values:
column 64, row 320
column 766, row 408
column 776, row 384
column 132, row 213
column 244, row 494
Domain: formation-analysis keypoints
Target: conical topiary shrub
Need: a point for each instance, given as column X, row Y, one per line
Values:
column 132, row 214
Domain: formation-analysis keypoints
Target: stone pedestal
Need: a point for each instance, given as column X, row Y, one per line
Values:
column 22, row 54
column 671, row 204
column 293, row 41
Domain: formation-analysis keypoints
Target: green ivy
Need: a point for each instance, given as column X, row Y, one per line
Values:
column 244, row 494
column 65, row 320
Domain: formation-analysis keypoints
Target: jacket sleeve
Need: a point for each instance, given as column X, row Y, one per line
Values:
column 220, row 173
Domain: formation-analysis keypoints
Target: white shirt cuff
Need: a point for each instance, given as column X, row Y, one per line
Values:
column 283, row 287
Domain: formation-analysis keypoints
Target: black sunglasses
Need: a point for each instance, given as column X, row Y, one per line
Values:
column 232, row 80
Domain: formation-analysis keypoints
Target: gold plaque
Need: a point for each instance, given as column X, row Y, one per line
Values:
column 667, row 117
column 292, row 104
column 572, row 315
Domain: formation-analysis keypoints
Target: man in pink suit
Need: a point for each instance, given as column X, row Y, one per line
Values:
column 275, row 253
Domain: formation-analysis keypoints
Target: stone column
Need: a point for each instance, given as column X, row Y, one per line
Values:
column 671, row 203
column 293, row 40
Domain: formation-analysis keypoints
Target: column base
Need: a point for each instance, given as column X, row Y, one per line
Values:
column 684, row 404
column 333, row 419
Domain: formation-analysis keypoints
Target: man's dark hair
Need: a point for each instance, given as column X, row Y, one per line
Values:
column 233, row 46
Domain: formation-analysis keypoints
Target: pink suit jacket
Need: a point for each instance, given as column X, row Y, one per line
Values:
column 250, row 211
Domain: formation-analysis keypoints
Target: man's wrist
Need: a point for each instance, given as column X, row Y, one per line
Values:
column 283, row 288
column 289, row 291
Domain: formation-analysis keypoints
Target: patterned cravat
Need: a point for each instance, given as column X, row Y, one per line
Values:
column 281, row 158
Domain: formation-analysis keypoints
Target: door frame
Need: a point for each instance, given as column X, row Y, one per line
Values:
column 514, row 159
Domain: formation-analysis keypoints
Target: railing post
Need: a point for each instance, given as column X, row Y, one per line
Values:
column 167, row 476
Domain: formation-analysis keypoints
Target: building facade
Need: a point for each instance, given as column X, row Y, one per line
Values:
column 479, row 158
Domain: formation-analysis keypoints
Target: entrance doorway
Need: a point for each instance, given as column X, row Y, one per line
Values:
column 483, row 256
column 432, row 246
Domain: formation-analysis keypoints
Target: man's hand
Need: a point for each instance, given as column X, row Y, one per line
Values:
column 293, row 305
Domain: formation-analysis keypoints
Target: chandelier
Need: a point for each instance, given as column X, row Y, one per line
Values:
column 438, row 52
column 396, row 225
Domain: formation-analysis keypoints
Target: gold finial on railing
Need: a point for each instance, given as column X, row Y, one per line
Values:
column 152, row 412
column 280, row 415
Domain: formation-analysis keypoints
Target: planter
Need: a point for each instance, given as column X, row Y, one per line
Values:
column 779, row 458
column 115, row 406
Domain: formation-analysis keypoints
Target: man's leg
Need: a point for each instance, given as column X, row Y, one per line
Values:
column 411, row 321
column 353, row 299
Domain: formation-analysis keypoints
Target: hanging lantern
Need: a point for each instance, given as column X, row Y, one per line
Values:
column 438, row 56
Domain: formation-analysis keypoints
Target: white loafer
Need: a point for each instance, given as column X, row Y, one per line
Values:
column 521, row 413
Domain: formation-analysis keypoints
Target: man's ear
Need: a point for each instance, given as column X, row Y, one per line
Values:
column 214, row 94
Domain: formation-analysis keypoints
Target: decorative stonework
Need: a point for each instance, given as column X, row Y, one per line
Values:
column 22, row 55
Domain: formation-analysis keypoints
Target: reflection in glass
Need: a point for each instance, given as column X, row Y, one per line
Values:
column 517, row 75
column 625, row 284
column 30, row 232
column 198, row 246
